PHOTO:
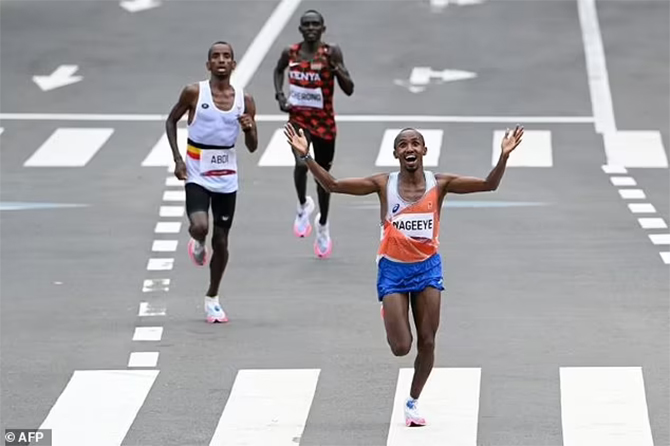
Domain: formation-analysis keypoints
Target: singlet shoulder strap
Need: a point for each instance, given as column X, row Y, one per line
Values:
column 431, row 181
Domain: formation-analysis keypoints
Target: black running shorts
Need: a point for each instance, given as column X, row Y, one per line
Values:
column 199, row 199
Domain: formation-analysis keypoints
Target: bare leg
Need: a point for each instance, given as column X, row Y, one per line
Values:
column 217, row 266
column 396, row 322
column 199, row 226
column 426, row 311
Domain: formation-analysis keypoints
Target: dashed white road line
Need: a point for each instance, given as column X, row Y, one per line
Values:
column 148, row 334
column 649, row 223
column 632, row 194
column 167, row 227
column 160, row 264
column 164, row 245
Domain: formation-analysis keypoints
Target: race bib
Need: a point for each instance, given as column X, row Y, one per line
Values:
column 305, row 97
column 415, row 225
column 213, row 160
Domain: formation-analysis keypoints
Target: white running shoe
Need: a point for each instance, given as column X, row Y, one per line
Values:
column 213, row 310
column 323, row 245
column 412, row 417
column 301, row 225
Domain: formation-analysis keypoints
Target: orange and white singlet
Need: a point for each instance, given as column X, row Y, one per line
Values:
column 211, row 158
column 410, row 231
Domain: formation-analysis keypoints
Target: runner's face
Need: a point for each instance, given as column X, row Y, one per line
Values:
column 221, row 61
column 409, row 150
column 311, row 27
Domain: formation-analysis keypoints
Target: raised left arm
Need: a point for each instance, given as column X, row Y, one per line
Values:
column 248, row 123
column 341, row 72
column 458, row 184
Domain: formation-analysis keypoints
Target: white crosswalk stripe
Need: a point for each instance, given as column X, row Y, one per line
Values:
column 99, row 405
column 266, row 407
column 534, row 151
column 278, row 153
column 598, row 405
column 161, row 153
column 69, row 147
column 604, row 405
column 635, row 149
column 75, row 147
column 450, row 404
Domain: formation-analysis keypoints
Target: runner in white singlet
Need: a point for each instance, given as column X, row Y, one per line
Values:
column 409, row 264
column 216, row 112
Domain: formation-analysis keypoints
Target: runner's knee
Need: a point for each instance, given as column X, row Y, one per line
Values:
column 220, row 240
column 400, row 346
column 425, row 342
column 198, row 230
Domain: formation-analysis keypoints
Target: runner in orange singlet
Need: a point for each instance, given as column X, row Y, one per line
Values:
column 409, row 264
column 313, row 67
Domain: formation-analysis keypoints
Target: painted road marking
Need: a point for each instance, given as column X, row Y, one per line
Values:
column 614, row 169
column 433, row 142
column 143, row 359
column 161, row 154
column 174, row 181
column 100, row 405
column 278, row 153
column 596, row 67
column 665, row 256
column 266, row 407
column 635, row 149
column 660, row 239
column 263, row 41
column 167, row 227
column 160, row 264
column 164, row 245
column 642, row 208
column 69, row 147
column 174, row 195
column 171, row 211
column 148, row 334
column 148, row 309
column 604, row 405
column 450, row 403
column 151, row 285
column 534, row 151
column 632, row 194
column 282, row 118
column 623, row 181
column 652, row 223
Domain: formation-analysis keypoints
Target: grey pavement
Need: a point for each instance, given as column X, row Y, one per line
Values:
column 573, row 281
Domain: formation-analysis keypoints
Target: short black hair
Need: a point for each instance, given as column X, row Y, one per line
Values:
column 220, row 42
column 395, row 141
column 313, row 11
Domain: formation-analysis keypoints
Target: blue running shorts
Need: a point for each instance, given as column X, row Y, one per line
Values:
column 395, row 277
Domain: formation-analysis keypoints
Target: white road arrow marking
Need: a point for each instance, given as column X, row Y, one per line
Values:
column 422, row 76
column 139, row 5
column 62, row 76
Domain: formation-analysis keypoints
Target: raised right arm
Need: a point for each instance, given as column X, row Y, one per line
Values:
column 187, row 100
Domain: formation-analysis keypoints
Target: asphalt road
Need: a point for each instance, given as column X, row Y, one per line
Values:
column 570, row 279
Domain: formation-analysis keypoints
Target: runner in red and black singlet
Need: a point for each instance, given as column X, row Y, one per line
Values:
column 313, row 67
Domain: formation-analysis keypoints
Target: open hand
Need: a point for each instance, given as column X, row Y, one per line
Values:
column 297, row 140
column 511, row 141
column 247, row 122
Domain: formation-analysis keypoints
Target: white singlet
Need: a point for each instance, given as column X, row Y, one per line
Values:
column 211, row 157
